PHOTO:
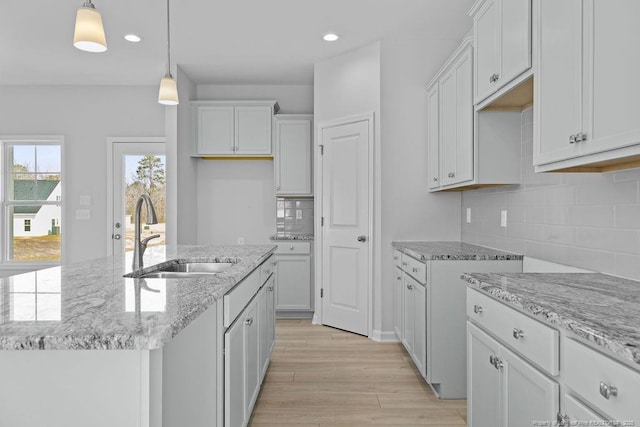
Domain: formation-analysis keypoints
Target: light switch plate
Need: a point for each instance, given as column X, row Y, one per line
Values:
column 503, row 218
column 298, row 213
column 83, row 214
column 468, row 215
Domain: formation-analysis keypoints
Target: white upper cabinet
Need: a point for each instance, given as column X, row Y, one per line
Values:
column 233, row 128
column 456, row 121
column 468, row 149
column 293, row 154
column 586, row 88
column 433, row 136
column 502, row 40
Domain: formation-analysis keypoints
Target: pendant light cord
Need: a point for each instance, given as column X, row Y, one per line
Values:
column 168, row 42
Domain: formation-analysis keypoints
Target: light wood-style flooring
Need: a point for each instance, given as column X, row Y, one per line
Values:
column 321, row 376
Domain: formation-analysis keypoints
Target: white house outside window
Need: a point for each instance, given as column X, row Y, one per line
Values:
column 32, row 200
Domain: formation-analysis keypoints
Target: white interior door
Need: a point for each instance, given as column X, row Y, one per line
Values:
column 137, row 167
column 346, row 189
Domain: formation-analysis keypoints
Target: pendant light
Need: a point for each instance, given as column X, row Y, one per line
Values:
column 89, row 32
column 168, row 94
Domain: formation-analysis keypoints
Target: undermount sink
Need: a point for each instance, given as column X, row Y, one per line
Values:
column 186, row 270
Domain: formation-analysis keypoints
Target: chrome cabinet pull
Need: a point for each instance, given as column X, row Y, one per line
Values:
column 395, row 257
column 409, row 287
column 435, row 179
column 477, row 309
column 451, row 174
column 415, row 270
column 495, row 362
column 492, row 360
column 249, row 321
column 404, row 264
column 563, row 420
column 581, row 136
column 398, row 278
column 291, row 248
column 518, row 333
column 608, row 390
column 362, row 238
column 572, row 139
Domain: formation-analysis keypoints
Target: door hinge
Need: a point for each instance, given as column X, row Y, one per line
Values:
column 321, row 293
column 321, row 149
column 321, row 221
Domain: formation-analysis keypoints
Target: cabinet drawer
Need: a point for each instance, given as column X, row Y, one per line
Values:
column 534, row 340
column 238, row 298
column 587, row 372
column 416, row 269
column 290, row 247
column 575, row 412
column 397, row 258
column 267, row 268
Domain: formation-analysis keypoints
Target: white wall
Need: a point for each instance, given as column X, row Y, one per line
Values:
column 390, row 78
column 86, row 116
column 409, row 212
column 346, row 86
column 186, row 166
column 236, row 198
column 587, row 220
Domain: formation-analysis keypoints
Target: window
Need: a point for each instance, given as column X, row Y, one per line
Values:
column 31, row 200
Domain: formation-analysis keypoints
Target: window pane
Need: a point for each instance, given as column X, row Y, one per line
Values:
column 48, row 158
column 24, row 158
column 24, row 186
column 23, row 282
column 49, row 280
column 49, row 307
column 23, row 307
column 42, row 242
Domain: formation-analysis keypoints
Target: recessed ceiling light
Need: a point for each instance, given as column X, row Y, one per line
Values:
column 133, row 38
column 331, row 37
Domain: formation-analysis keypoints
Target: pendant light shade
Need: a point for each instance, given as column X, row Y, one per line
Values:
column 89, row 32
column 168, row 94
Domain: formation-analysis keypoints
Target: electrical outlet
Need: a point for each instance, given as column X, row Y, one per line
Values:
column 298, row 213
column 241, row 240
column 468, row 215
column 503, row 218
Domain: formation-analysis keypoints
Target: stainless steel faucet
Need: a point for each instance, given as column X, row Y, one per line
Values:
column 141, row 245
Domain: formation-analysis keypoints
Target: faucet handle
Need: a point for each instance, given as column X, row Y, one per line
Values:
column 144, row 242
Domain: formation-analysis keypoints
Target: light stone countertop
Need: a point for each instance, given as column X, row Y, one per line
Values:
column 452, row 251
column 601, row 309
column 90, row 305
column 288, row 236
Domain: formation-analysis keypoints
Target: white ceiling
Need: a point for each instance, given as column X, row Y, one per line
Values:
column 214, row 41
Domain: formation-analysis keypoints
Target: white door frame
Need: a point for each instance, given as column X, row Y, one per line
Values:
column 110, row 145
column 374, row 237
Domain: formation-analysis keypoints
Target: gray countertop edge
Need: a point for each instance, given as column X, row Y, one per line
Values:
column 292, row 237
column 598, row 338
column 148, row 336
column 452, row 251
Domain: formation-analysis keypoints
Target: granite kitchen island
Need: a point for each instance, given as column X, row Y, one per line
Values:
column 83, row 345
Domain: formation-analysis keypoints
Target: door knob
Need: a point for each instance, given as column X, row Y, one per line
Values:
column 362, row 238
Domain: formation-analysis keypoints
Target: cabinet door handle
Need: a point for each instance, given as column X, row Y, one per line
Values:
column 274, row 263
column 491, row 78
column 451, row 174
column 409, row 287
column 497, row 77
column 497, row 363
column 563, row 420
column 435, row 179
column 249, row 321
column 518, row 333
column 572, row 139
column 581, row 136
column 291, row 247
column 492, row 360
column 395, row 257
column 270, row 288
column 608, row 390
column 477, row 309
column 399, row 278
column 404, row 264
column 415, row 270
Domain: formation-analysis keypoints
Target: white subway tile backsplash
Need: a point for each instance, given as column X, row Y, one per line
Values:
column 586, row 220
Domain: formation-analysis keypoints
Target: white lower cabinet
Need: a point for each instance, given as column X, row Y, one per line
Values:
column 414, row 336
column 509, row 383
column 504, row 389
column 294, row 290
column 248, row 344
column 397, row 302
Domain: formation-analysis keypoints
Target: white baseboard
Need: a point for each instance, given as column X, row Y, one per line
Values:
column 314, row 320
column 384, row 336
